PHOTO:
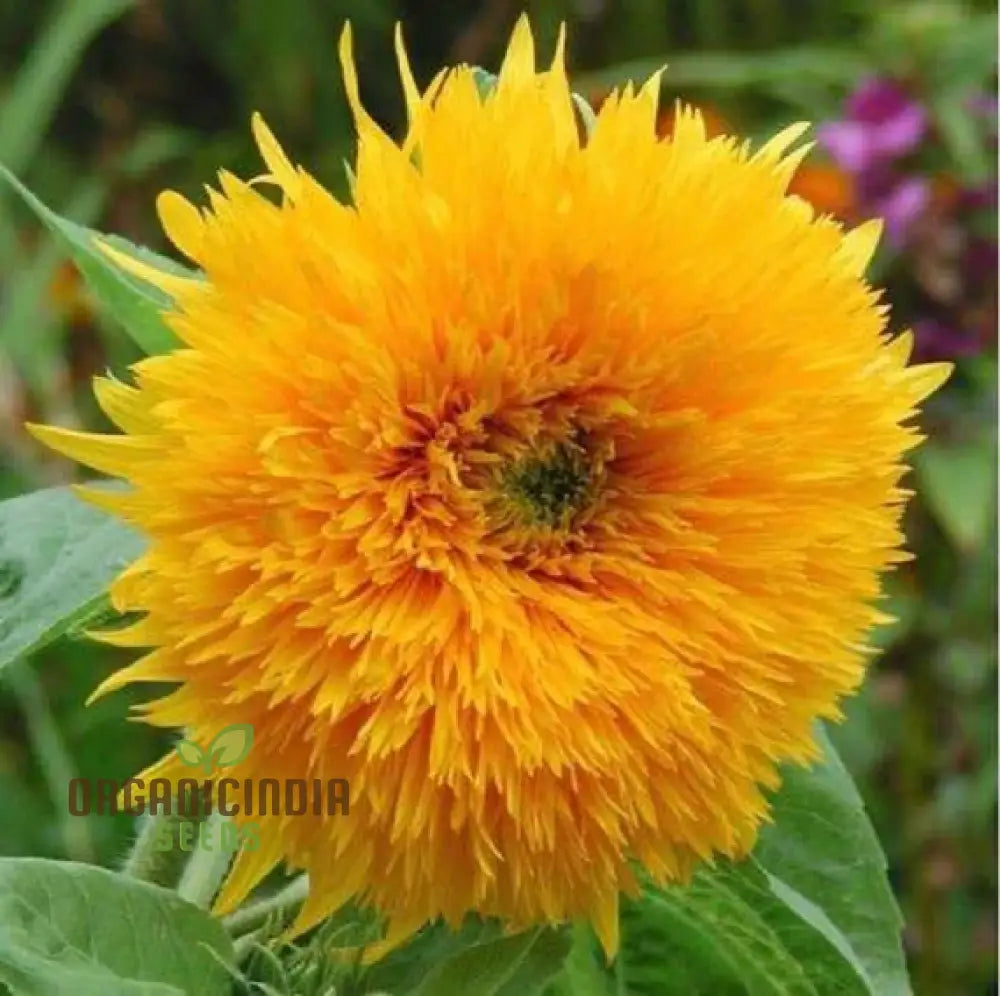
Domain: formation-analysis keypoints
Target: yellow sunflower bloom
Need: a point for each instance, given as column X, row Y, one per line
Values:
column 542, row 492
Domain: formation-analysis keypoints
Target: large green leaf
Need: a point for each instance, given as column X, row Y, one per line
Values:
column 521, row 965
column 809, row 914
column 68, row 929
column 57, row 557
column 137, row 305
column 584, row 972
column 720, row 941
column 823, row 860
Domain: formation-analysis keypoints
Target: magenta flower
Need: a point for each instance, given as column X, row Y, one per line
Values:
column 883, row 123
column 901, row 205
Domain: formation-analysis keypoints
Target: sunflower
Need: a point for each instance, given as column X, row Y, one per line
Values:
column 542, row 491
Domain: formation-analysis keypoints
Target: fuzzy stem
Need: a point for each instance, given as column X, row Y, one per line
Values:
column 205, row 870
column 154, row 856
column 281, row 906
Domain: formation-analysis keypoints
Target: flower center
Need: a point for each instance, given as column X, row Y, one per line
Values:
column 549, row 489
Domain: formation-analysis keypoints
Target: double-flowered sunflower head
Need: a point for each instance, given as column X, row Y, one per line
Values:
column 542, row 491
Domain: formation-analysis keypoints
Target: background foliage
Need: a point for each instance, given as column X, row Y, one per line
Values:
column 105, row 102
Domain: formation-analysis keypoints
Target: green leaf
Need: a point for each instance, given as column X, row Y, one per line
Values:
column 809, row 914
column 29, row 331
column 68, row 929
column 521, row 965
column 823, row 860
column 957, row 483
column 403, row 969
column 716, row 928
column 584, row 972
column 57, row 557
column 133, row 302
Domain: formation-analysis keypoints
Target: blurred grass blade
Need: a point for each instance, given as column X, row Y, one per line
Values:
column 34, row 94
column 736, row 70
column 134, row 303
column 53, row 757
column 965, row 138
column 39, row 85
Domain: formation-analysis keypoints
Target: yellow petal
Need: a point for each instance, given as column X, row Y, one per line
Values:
column 650, row 90
column 141, row 634
column 775, row 147
column 858, row 246
column 328, row 892
column 605, row 921
column 399, row 931
column 282, row 170
column 900, row 349
column 519, row 62
column 925, row 379
column 125, row 406
column 559, row 56
column 115, row 455
column 248, row 870
column 410, row 92
column 787, row 167
column 169, row 283
column 156, row 666
column 182, row 222
column 346, row 51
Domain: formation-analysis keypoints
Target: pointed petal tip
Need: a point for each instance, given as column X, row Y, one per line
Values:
column 411, row 92
column 559, row 55
column 398, row 931
column 519, row 60
column 349, row 72
column 281, row 170
column 35, row 430
column 930, row 377
column 604, row 919
column 106, row 687
column 858, row 245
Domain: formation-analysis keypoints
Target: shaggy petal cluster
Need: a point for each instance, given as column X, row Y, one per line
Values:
column 542, row 491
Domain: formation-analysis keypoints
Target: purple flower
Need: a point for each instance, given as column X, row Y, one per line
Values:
column 935, row 340
column 882, row 124
column 901, row 206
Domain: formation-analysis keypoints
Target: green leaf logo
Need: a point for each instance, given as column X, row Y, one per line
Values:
column 229, row 746
column 190, row 753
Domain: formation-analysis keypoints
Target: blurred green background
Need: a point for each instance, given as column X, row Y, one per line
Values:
column 105, row 102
